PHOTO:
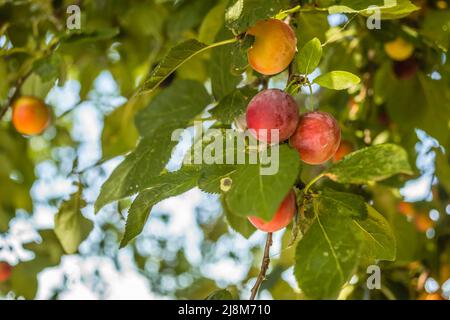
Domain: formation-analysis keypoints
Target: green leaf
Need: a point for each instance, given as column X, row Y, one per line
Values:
column 342, row 234
column 184, row 16
column 48, row 249
column 71, row 227
column 403, row 8
column 48, row 252
column 177, row 56
column 309, row 56
column 212, row 175
column 436, row 93
column 443, row 169
column 223, row 79
column 233, row 105
column 345, row 204
column 14, row 162
column 238, row 54
column 4, row 85
column 35, row 86
column 119, row 133
column 379, row 240
column 349, row 6
column 388, row 10
column 326, row 256
column 253, row 194
column 212, row 23
column 437, row 20
column 410, row 243
column 216, row 147
column 312, row 24
column 24, row 282
column 165, row 186
column 239, row 224
column 48, row 68
column 428, row 94
column 243, row 14
column 337, row 80
column 220, row 295
column 172, row 109
column 92, row 35
column 371, row 164
column 136, row 18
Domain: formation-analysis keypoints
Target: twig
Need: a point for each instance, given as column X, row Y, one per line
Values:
column 340, row 30
column 291, row 15
column 311, row 96
column 300, row 215
column 387, row 293
column 264, row 266
column 422, row 279
column 15, row 93
column 92, row 166
column 20, row 81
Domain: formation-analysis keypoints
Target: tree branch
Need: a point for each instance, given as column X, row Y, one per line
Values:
column 14, row 94
column 264, row 266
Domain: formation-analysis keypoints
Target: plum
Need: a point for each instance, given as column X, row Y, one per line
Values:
column 317, row 137
column 30, row 115
column 274, row 46
column 272, row 109
column 282, row 217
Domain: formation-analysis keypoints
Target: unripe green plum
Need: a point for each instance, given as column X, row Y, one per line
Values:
column 272, row 109
column 317, row 137
column 282, row 217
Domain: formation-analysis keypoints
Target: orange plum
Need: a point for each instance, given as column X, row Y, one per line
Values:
column 274, row 46
column 30, row 116
column 399, row 49
column 344, row 149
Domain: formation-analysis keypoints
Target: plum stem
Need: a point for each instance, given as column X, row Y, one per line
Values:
column 222, row 43
column 264, row 267
column 311, row 96
column 309, row 185
column 300, row 215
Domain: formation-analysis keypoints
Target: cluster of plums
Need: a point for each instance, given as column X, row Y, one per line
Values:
column 316, row 135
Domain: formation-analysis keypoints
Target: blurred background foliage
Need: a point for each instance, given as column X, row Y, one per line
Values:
column 87, row 77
